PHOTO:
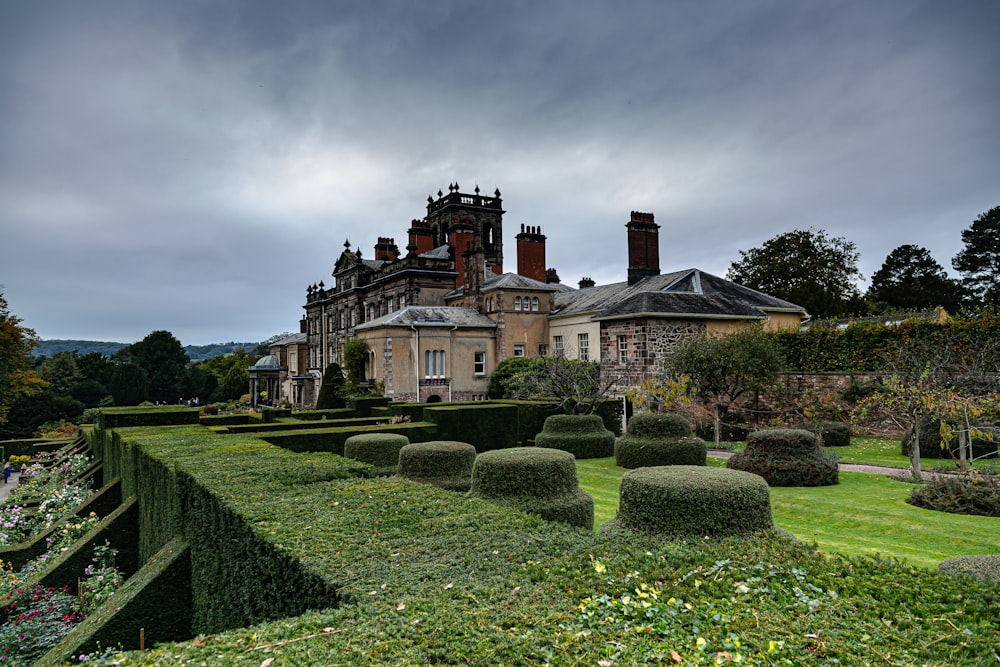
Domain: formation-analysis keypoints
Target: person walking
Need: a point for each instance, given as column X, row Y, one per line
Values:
column 6, row 472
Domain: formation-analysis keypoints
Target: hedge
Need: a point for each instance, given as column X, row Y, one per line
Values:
column 430, row 577
column 535, row 480
column 444, row 464
column 583, row 436
column 690, row 501
column 381, row 450
column 659, row 439
column 787, row 457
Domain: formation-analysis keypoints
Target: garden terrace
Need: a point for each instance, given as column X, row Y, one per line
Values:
column 295, row 558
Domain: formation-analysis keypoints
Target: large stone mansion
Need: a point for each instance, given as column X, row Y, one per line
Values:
column 439, row 317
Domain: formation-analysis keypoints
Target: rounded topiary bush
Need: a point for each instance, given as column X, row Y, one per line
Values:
column 379, row 449
column 659, row 439
column 834, row 434
column 443, row 463
column 536, row 480
column 983, row 568
column 787, row 457
column 583, row 436
column 686, row 501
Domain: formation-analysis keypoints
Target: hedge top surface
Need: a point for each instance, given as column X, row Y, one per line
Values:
column 378, row 438
column 783, row 442
column 573, row 423
column 658, row 425
column 524, row 471
column 684, row 478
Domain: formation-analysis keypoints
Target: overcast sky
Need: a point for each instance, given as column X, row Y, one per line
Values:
column 194, row 165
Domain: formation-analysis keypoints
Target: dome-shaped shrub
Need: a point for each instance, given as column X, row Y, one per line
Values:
column 442, row 463
column 659, row 439
column 686, row 501
column 983, row 568
column 379, row 449
column 583, row 436
column 834, row 434
column 787, row 457
column 535, row 480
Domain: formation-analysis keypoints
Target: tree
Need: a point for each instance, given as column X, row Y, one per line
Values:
column 807, row 268
column 16, row 377
column 235, row 383
column 910, row 279
column 129, row 384
column 979, row 261
column 164, row 360
column 61, row 372
column 355, row 360
column 724, row 367
column 576, row 387
column 330, row 392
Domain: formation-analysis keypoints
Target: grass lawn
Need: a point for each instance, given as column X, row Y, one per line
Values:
column 864, row 514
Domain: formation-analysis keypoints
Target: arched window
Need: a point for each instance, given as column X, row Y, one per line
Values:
column 534, row 303
column 517, row 303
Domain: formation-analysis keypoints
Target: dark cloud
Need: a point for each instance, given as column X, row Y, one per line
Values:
column 192, row 166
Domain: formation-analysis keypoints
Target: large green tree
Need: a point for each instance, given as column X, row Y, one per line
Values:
column 164, row 361
column 979, row 260
column 911, row 279
column 806, row 267
column 722, row 368
column 61, row 372
column 17, row 379
column 331, row 391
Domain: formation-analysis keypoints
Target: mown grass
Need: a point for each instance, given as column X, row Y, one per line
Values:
column 863, row 515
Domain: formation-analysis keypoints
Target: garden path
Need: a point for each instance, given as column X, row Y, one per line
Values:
column 5, row 489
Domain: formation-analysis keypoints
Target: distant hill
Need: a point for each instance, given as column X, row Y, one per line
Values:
column 50, row 348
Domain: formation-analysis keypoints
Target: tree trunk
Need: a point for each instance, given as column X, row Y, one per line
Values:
column 915, row 453
column 718, row 426
column 962, row 459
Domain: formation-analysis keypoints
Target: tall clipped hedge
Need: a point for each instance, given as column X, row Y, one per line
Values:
column 866, row 346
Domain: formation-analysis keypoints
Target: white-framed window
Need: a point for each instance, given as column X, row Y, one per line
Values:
column 489, row 305
column 534, row 304
column 479, row 363
column 623, row 349
column 518, row 350
column 434, row 364
column 583, row 346
column 557, row 345
column 517, row 303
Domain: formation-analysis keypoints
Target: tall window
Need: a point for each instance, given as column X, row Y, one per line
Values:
column 622, row 350
column 534, row 303
column 557, row 345
column 583, row 346
column 434, row 363
column 518, row 350
column 517, row 303
column 479, row 366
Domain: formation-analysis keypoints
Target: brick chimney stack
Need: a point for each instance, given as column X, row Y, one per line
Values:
column 421, row 238
column 551, row 276
column 531, row 253
column 643, row 247
column 386, row 249
column 463, row 240
column 586, row 283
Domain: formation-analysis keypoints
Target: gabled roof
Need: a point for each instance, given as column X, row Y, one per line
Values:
column 443, row 316
column 291, row 339
column 689, row 293
column 517, row 281
column 441, row 252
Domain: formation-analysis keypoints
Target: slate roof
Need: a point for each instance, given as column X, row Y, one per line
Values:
column 445, row 316
column 689, row 293
column 291, row 339
column 512, row 281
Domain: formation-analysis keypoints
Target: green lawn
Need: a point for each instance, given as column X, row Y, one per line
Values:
column 864, row 514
